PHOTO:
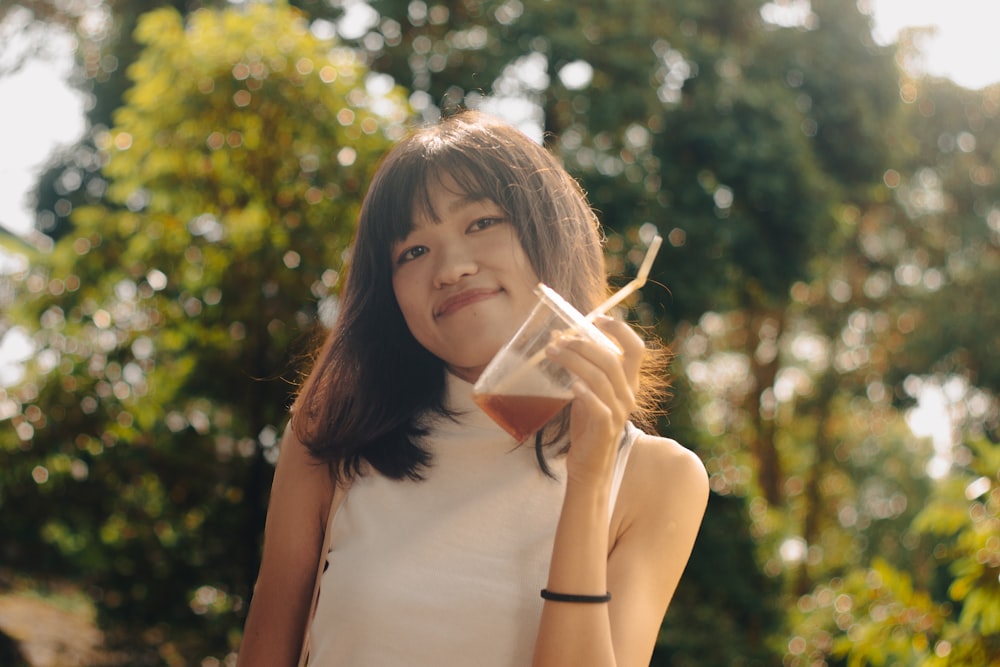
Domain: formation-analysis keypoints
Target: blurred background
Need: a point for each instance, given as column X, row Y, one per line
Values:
column 180, row 181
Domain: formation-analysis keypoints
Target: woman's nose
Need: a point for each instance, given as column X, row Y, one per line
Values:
column 455, row 262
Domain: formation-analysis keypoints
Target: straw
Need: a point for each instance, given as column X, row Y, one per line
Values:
column 636, row 283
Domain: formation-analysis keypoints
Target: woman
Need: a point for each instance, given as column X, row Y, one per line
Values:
column 446, row 529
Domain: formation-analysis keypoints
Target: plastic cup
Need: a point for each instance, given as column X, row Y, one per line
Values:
column 522, row 389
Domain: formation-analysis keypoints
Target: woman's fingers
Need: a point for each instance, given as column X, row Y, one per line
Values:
column 603, row 400
column 624, row 366
column 611, row 377
column 599, row 368
column 604, row 396
column 632, row 345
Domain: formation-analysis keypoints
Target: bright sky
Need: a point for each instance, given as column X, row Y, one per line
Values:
column 38, row 113
column 960, row 49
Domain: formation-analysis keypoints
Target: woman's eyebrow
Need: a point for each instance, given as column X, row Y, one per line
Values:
column 468, row 201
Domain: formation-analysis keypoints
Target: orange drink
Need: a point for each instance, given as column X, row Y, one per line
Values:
column 522, row 389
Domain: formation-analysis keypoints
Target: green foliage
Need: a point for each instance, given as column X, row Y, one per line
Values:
column 166, row 320
column 948, row 189
column 964, row 514
column 882, row 615
column 873, row 617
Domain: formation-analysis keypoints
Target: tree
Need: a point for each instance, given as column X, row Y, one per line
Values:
column 167, row 320
column 948, row 190
column 930, row 261
column 104, row 49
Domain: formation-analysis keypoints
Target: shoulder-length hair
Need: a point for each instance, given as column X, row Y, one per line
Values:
column 371, row 381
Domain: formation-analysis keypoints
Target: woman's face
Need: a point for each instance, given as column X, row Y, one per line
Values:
column 462, row 281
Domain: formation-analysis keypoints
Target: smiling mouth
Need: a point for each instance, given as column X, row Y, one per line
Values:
column 463, row 299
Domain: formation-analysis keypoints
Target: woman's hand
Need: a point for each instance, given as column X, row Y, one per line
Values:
column 604, row 397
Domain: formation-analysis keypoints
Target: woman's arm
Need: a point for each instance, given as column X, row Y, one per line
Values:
column 658, row 512
column 662, row 502
column 293, row 538
column 657, row 516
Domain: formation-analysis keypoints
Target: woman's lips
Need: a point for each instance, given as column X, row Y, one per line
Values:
column 463, row 299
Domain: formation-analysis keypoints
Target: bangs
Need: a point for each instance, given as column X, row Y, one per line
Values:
column 412, row 181
column 456, row 179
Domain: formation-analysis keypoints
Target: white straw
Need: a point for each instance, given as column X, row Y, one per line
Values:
column 636, row 283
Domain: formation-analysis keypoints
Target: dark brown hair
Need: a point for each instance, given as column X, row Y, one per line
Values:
column 371, row 381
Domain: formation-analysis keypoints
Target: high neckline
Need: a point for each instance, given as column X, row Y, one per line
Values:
column 458, row 393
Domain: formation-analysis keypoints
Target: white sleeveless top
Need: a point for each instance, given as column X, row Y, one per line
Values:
column 444, row 571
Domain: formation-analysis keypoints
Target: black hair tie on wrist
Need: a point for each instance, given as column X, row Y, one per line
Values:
column 567, row 597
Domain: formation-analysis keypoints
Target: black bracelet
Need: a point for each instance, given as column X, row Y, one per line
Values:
column 566, row 597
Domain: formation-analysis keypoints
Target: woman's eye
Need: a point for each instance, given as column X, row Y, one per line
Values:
column 483, row 223
column 410, row 254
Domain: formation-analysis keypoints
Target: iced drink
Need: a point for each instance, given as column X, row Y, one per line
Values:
column 521, row 389
column 520, row 415
column 528, row 399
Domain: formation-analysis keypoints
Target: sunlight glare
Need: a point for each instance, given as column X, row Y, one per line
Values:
column 931, row 419
column 961, row 44
column 15, row 349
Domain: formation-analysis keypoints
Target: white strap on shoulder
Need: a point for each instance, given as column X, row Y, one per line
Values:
column 629, row 437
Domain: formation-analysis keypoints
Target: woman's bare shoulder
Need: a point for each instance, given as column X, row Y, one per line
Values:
column 665, row 478
column 664, row 459
column 302, row 485
column 661, row 505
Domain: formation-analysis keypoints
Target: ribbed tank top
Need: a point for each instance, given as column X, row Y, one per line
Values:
column 444, row 571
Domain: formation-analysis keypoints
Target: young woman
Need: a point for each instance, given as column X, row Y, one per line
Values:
column 446, row 530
